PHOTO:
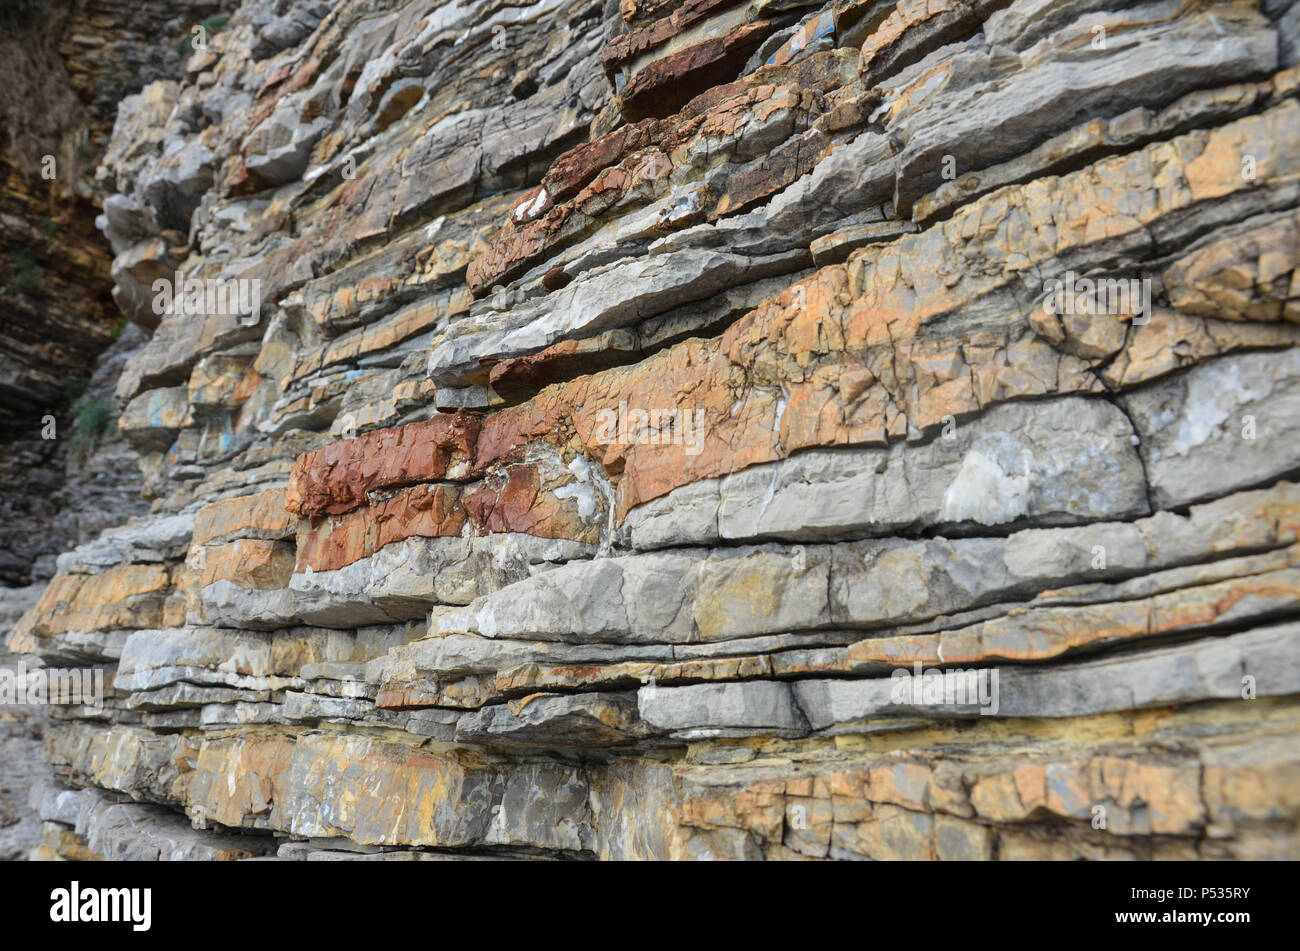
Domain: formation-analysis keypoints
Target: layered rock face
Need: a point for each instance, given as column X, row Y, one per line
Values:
column 65, row 65
column 701, row 429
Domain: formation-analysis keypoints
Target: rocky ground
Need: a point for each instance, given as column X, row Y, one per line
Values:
column 639, row 389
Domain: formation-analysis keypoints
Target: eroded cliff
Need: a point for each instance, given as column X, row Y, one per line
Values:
column 635, row 392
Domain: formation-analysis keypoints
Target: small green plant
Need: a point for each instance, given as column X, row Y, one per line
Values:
column 73, row 387
column 25, row 274
column 120, row 327
column 88, row 427
column 84, row 150
column 51, row 227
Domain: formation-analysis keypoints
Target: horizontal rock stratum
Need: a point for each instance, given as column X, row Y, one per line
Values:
column 703, row 430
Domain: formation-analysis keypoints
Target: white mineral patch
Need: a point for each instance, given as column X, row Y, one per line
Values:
column 1213, row 396
column 983, row 492
column 531, row 209
column 582, row 491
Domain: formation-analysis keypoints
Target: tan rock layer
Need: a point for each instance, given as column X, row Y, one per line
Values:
column 250, row 563
column 942, row 792
column 262, row 515
column 128, row 596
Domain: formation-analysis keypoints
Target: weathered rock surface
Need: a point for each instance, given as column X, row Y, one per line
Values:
column 700, row 429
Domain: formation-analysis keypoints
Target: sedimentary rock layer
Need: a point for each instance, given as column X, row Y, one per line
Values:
column 703, row 430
